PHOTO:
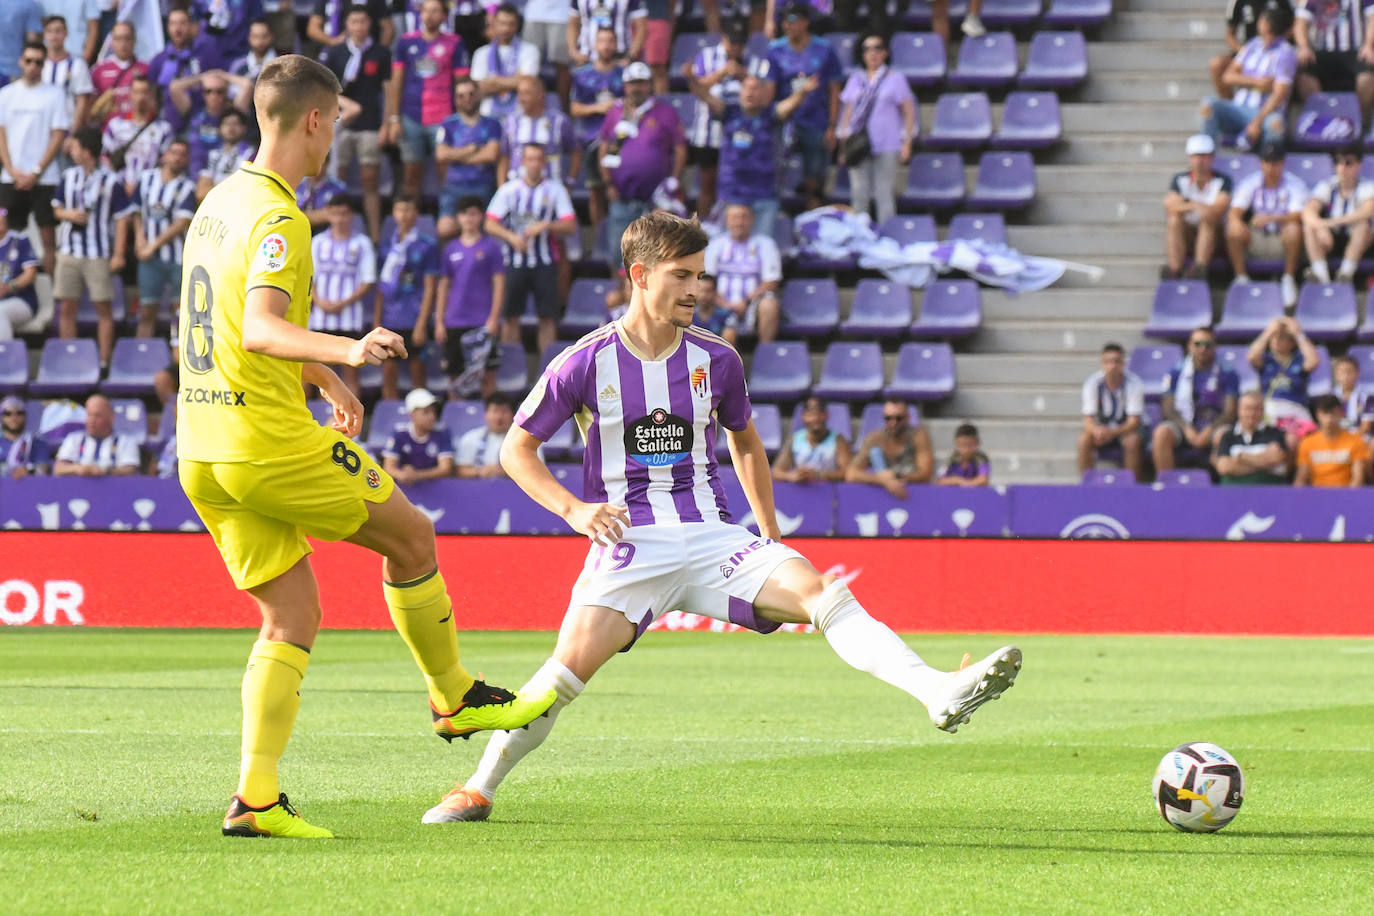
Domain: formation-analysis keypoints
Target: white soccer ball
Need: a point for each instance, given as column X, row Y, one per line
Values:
column 1198, row 787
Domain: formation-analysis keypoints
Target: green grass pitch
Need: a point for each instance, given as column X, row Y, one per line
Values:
column 700, row 773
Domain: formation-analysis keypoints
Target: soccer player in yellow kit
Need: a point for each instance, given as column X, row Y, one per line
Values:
column 262, row 474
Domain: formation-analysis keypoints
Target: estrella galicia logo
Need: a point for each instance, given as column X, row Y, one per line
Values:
column 1095, row 526
column 658, row 440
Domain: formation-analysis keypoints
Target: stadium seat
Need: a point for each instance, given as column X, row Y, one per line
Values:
column 837, row 418
column 1078, row 14
column 130, row 418
column 1233, row 357
column 871, row 420
column 852, row 371
column 757, row 46
column 1364, row 356
column 843, row 43
column 1006, row 181
column 68, row 368
column 1327, row 311
column 560, row 446
column 924, row 372
column 781, row 371
column 882, row 308
column 949, row 308
column 1152, row 365
column 985, row 63
column 935, row 181
column 1320, row 380
column 387, row 416
column 782, row 234
column 1365, row 332
column 512, row 374
column 551, row 351
column 1055, row 60
column 460, row 416
column 685, row 48
column 1329, row 120
column 768, row 421
column 586, row 309
column 918, row 13
column 909, row 229
column 370, row 380
column 963, row 120
column 1010, row 13
column 919, row 56
column 1114, row 477
column 685, row 104
column 134, row 363
column 810, row 308
column 1310, row 167
column 1249, row 308
column 1179, row 307
column 1030, row 120
column 1183, row 477
column 14, row 366
column 322, row 411
column 990, row 227
column 1238, row 166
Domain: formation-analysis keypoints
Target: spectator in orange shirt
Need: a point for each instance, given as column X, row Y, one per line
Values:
column 1332, row 456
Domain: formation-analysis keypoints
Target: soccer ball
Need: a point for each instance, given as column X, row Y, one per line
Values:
column 1198, row 787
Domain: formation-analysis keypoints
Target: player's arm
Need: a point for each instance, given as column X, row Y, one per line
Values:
column 266, row 331
column 751, row 464
column 348, row 410
column 598, row 521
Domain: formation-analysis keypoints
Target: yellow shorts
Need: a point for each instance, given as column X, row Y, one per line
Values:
column 260, row 512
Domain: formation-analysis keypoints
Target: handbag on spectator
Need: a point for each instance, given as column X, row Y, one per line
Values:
column 857, row 146
column 119, row 157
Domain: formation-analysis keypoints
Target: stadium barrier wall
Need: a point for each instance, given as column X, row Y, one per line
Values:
column 916, row 585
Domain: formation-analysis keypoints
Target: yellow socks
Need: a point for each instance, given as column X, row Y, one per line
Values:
column 271, row 697
column 424, row 617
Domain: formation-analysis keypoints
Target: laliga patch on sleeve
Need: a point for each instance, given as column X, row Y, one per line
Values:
column 271, row 254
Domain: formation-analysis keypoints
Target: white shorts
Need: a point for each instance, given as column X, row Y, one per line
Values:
column 709, row 568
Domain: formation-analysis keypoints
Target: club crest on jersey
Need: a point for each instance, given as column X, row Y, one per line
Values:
column 272, row 253
column 658, row 440
column 374, row 480
column 701, row 381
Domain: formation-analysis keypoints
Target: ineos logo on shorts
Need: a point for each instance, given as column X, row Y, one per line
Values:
column 659, row 440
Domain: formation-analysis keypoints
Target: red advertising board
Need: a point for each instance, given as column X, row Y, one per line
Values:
column 522, row 583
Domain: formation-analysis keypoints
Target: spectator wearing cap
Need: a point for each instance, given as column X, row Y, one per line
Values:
column 806, row 63
column 479, row 450
column 18, row 270
column 1337, row 217
column 1113, row 405
column 471, row 291
column 1194, row 208
column 1335, row 46
column 498, row 65
column 642, row 144
column 1330, row 455
column 596, row 87
column 33, row 124
column 1266, row 220
column 421, row 450
column 363, row 67
column 1285, row 359
column 97, row 450
column 628, row 18
column 470, row 145
column 405, row 290
column 877, row 103
column 187, row 54
column 345, row 271
column 1251, row 453
column 748, row 270
column 21, row 452
column 1199, row 401
column 1262, row 76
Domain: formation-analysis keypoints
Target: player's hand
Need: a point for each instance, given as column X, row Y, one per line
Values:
column 348, row 410
column 599, row 521
column 375, row 348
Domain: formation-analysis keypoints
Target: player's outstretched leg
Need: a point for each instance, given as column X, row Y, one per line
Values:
column 423, row 614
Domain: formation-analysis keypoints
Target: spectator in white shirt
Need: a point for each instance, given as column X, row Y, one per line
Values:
column 1194, row 208
column 1113, row 404
column 97, row 451
column 67, row 71
column 1337, row 217
column 1266, row 220
column 479, row 450
column 747, row 268
column 33, row 123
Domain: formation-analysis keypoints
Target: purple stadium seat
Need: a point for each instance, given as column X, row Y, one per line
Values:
column 963, row 120
column 1364, row 356
column 684, row 103
column 1055, row 60
column 843, row 43
column 908, row 229
column 66, row 367
column 460, row 416
column 1030, row 120
column 1248, row 309
column 990, row 227
column 1320, row 380
column 782, row 234
column 871, row 420
column 1365, row 332
column 436, row 376
column 918, row 14
column 586, row 309
column 810, row 308
column 1183, row 477
column 1329, row 120
column 14, row 366
column 1238, row 166
column 1010, row 13
column 1327, row 311
column 130, row 418
column 387, row 416
column 988, row 62
column 1006, row 181
column 924, row 372
column 852, row 371
column 1117, row 477
column 919, row 56
column 934, row 181
column 881, row 309
column 685, row 48
column 322, row 411
column 949, row 308
column 781, row 371
column 1310, row 167
column 1079, row 14
column 370, row 379
column 512, row 375
column 1233, row 357
column 768, row 421
column 551, row 351
column 1179, row 307
column 837, row 418
column 757, row 46
column 134, row 363
column 1152, row 365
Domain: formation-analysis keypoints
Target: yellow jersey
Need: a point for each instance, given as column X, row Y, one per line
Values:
column 234, row 405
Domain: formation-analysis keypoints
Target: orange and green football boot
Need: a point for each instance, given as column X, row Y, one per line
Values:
column 486, row 708
column 276, row 819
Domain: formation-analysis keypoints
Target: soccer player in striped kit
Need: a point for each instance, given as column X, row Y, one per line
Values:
column 647, row 391
column 345, row 272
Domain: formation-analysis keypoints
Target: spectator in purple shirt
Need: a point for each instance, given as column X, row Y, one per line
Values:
column 313, row 195
column 642, row 143
column 186, row 54
column 471, row 291
column 1262, row 75
column 968, row 466
column 470, row 144
column 422, row 450
column 226, row 23
column 877, row 100
column 405, row 290
column 596, row 87
column 802, row 60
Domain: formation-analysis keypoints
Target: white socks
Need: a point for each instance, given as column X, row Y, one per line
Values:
column 506, row 749
column 1321, row 271
column 869, row 645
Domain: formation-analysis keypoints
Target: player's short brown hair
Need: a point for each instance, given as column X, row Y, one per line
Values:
column 660, row 236
column 291, row 85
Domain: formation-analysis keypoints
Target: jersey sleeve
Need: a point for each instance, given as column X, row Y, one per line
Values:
column 480, row 69
column 444, row 441
column 1245, row 193
column 70, row 449
column 734, row 409
column 528, row 62
column 389, row 449
column 126, row 453
column 1090, row 396
column 367, row 262
column 563, row 205
column 557, row 395
column 281, row 252
column 466, row 452
column 770, row 260
column 1135, row 397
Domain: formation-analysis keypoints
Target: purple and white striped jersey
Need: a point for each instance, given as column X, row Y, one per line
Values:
column 72, row 76
column 742, row 267
column 705, row 130
column 515, row 205
column 616, row 15
column 159, row 203
column 650, row 425
column 552, row 130
column 341, row 266
column 100, row 194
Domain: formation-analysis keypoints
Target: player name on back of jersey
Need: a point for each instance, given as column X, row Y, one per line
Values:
column 211, row 227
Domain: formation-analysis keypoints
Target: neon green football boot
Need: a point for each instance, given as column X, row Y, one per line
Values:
column 485, row 708
column 276, row 819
